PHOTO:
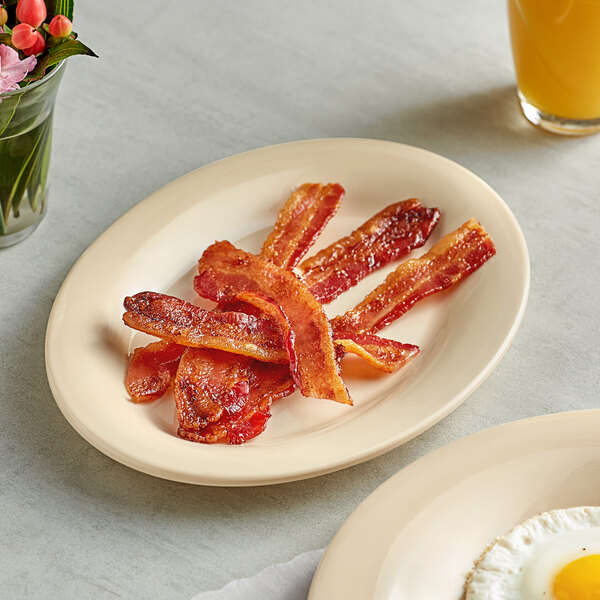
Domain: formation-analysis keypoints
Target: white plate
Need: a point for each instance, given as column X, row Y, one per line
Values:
column 155, row 246
column 417, row 535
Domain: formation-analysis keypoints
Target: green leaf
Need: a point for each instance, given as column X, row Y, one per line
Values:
column 60, row 7
column 7, row 111
column 2, row 224
column 33, row 194
column 66, row 49
column 39, row 70
column 45, row 166
column 25, row 174
column 6, row 38
column 52, row 42
column 40, row 167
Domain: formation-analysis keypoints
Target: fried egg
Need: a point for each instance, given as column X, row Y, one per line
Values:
column 552, row 556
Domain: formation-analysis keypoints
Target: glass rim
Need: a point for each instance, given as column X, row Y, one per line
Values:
column 35, row 84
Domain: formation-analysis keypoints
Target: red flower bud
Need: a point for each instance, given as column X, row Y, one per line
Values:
column 3, row 16
column 60, row 27
column 23, row 36
column 38, row 47
column 32, row 12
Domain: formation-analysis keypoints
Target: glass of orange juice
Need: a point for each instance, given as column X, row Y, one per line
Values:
column 556, row 51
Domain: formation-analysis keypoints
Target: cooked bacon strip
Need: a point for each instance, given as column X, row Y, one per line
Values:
column 453, row 258
column 274, row 311
column 381, row 353
column 270, row 382
column 181, row 322
column 151, row 370
column 268, row 307
column 300, row 222
column 225, row 271
column 267, row 384
column 389, row 235
column 176, row 320
column 207, row 383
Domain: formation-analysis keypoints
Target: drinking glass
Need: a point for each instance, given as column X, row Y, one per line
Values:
column 25, row 144
column 556, row 52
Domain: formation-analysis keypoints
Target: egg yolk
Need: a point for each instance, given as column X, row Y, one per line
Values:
column 579, row 580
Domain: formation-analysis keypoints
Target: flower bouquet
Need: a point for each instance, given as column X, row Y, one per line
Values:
column 35, row 38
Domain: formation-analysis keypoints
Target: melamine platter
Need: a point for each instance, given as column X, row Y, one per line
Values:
column 155, row 246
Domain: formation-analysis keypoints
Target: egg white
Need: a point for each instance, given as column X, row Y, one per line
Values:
column 522, row 564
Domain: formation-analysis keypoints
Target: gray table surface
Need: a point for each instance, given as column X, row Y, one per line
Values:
column 181, row 84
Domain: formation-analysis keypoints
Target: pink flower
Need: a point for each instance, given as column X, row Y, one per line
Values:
column 13, row 70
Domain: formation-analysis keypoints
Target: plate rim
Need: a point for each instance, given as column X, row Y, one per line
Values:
column 304, row 472
column 332, row 564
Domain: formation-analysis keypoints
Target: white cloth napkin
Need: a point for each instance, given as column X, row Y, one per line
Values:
column 283, row 581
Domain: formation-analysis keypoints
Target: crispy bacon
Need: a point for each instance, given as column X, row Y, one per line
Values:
column 175, row 319
column 274, row 311
column 389, row 235
column 300, row 222
column 225, row 271
column 267, row 383
column 207, row 383
column 381, row 353
column 181, row 322
column 453, row 258
column 329, row 273
column 151, row 370
column 266, row 312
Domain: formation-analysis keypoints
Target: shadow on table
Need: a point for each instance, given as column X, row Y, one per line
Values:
column 486, row 121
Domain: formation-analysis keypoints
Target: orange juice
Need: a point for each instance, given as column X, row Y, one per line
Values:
column 556, row 50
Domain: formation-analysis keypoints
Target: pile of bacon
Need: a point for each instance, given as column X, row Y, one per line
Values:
column 268, row 334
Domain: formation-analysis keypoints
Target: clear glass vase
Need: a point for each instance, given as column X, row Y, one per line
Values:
column 25, row 145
